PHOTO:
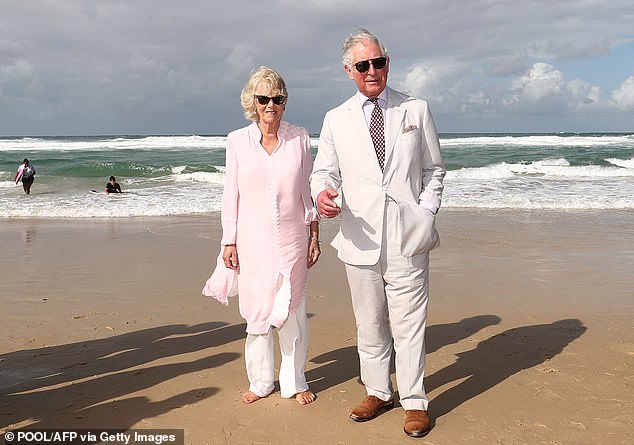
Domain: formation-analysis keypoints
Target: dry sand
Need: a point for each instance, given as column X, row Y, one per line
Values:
column 531, row 336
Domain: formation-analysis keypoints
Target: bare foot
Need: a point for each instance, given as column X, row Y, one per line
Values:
column 250, row 397
column 305, row 397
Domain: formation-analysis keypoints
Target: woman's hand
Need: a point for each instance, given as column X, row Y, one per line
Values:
column 313, row 251
column 230, row 257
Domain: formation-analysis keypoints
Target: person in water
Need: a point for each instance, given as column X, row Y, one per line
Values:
column 28, row 173
column 113, row 186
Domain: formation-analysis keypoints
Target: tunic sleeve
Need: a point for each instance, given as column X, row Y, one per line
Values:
column 230, row 195
column 310, row 211
column 222, row 283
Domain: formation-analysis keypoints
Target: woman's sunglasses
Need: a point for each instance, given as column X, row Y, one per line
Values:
column 377, row 63
column 264, row 100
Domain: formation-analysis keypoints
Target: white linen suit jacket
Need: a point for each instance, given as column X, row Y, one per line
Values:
column 413, row 172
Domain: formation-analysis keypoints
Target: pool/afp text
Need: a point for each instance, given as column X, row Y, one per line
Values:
column 85, row 437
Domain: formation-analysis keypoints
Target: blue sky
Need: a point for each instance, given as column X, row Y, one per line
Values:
column 607, row 70
column 75, row 67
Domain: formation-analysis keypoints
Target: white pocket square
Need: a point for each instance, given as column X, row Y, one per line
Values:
column 410, row 128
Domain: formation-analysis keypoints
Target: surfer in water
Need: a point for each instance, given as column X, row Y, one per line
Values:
column 113, row 186
column 26, row 172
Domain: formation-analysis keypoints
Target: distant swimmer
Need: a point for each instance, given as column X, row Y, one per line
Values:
column 113, row 186
column 26, row 172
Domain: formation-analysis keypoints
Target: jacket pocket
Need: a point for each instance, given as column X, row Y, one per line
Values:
column 418, row 229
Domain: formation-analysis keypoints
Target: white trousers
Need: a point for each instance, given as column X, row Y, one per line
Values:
column 390, row 306
column 259, row 353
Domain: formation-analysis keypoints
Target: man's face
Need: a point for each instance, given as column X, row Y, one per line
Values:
column 373, row 81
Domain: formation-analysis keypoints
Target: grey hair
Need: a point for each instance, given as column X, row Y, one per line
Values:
column 359, row 35
column 275, row 87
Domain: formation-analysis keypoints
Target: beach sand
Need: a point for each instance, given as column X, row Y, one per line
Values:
column 530, row 337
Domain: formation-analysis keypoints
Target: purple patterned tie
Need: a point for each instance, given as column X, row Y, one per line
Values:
column 376, row 131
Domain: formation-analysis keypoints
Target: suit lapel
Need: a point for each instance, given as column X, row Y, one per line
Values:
column 395, row 116
column 358, row 126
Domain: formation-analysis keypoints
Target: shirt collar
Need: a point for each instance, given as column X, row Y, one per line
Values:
column 382, row 98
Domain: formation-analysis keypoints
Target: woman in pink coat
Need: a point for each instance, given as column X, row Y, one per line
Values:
column 270, row 237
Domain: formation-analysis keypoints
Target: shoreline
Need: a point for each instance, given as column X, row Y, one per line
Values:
column 530, row 335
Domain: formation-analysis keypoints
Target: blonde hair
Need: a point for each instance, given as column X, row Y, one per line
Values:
column 274, row 84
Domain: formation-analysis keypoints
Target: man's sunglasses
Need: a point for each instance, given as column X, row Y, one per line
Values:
column 377, row 63
column 264, row 100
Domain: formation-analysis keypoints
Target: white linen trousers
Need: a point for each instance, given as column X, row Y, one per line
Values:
column 389, row 300
column 259, row 355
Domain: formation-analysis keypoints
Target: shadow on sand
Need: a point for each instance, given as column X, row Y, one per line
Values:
column 76, row 379
column 492, row 361
column 85, row 380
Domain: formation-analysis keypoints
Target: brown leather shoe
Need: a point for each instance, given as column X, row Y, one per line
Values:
column 417, row 423
column 369, row 408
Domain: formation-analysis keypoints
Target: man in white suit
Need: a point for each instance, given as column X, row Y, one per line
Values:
column 386, row 164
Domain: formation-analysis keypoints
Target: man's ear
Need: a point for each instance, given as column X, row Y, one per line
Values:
column 349, row 72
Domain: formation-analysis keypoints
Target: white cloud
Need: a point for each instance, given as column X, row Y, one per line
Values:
column 426, row 78
column 542, row 80
column 623, row 97
column 585, row 97
column 541, row 90
column 19, row 68
column 442, row 82
column 544, row 90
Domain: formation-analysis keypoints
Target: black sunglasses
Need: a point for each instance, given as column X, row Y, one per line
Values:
column 264, row 100
column 377, row 63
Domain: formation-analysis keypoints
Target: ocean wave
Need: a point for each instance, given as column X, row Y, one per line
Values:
column 33, row 144
column 196, row 194
column 114, row 143
column 625, row 163
column 625, row 141
column 7, row 184
column 161, row 200
column 549, row 168
column 213, row 178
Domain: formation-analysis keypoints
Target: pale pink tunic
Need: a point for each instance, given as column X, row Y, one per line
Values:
column 266, row 211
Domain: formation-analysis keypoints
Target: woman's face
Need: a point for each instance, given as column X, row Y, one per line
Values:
column 269, row 113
